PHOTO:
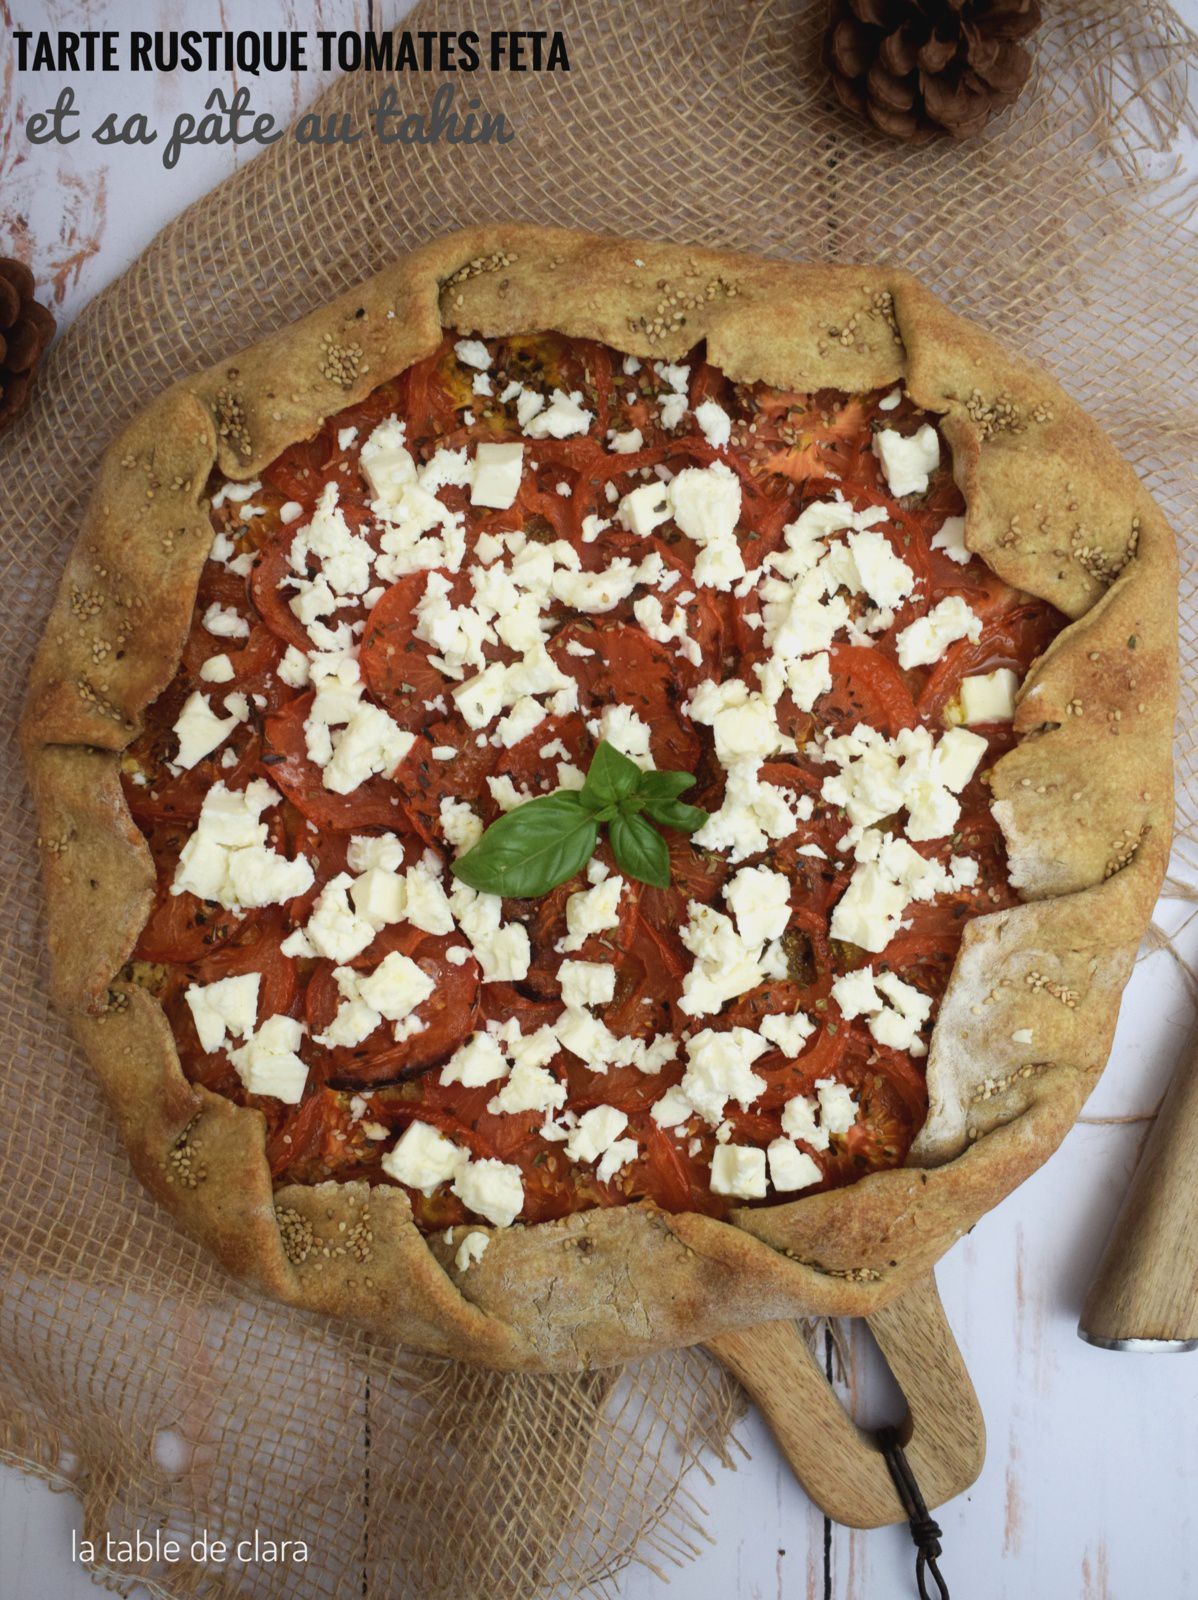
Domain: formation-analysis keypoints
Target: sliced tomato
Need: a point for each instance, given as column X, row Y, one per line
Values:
column 666, row 1175
column 866, row 687
column 271, row 570
column 626, row 667
column 182, row 928
column 426, row 781
column 1013, row 639
column 377, row 803
column 306, row 1142
column 254, row 948
column 448, row 1016
column 529, row 770
column 254, row 661
column 396, row 665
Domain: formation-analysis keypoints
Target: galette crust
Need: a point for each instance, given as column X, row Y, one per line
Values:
column 1085, row 800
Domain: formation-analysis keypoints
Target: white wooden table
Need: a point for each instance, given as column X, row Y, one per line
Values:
column 1092, row 1473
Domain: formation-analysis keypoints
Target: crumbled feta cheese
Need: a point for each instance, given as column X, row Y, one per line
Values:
column 869, row 911
column 333, row 928
column 718, row 1070
column 950, row 537
column 752, row 814
column 502, row 951
column 989, row 697
column 706, row 503
column 623, row 728
column 896, row 1011
column 598, row 592
column 564, row 416
column 492, row 1189
column 226, row 858
column 267, row 1063
column 743, row 723
column 624, row 444
column 235, row 493
column 738, row 1170
column 423, row 1158
column 200, row 730
column 217, row 669
column 475, row 1063
column 471, row 1249
column 649, row 613
column 597, row 1130
column 799, row 1121
column 790, row 1167
column 460, row 824
column 837, row 1108
column 225, row 623
column 473, row 353
column 715, row 423
column 925, row 640
column 907, row 463
column 293, row 669
column 497, row 469
column 644, row 508
column 759, row 899
column 227, row 1007
column 593, row 910
column 881, row 574
column 788, row 1033
column 586, row 983
column 370, row 745
column 345, row 558
column 528, row 1088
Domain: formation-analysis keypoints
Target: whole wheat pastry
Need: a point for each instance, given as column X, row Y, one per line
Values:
column 536, row 514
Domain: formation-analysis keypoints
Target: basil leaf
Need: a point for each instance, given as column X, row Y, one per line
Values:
column 640, row 851
column 664, row 785
column 610, row 778
column 676, row 814
column 531, row 850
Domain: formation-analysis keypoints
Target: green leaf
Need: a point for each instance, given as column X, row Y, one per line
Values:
column 664, row 785
column 610, row 779
column 676, row 814
column 640, row 851
column 531, row 850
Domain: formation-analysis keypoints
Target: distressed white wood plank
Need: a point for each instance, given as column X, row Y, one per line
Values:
column 82, row 213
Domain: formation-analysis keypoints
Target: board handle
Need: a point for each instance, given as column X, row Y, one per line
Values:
column 841, row 1466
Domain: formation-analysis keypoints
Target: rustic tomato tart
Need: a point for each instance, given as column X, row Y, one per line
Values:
column 597, row 793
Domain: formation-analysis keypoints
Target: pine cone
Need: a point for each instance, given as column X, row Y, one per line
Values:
column 25, row 330
column 915, row 68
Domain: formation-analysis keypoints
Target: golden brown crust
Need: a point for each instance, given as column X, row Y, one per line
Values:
column 1084, row 801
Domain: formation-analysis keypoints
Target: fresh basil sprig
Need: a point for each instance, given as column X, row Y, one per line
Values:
column 544, row 842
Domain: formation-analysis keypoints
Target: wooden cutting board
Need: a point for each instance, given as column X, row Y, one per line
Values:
column 839, row 1464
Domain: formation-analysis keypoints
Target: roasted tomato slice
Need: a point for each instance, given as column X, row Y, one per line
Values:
column 448, row 1017
column 396, row 665
column 866, row 687
column 377, row 803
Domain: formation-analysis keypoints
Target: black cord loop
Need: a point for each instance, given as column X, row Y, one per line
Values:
column 924, row 1531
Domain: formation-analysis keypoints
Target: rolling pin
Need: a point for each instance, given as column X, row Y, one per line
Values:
column 1145, row 1294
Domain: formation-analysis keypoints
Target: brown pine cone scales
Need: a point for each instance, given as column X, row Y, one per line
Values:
column 916, row 68
column 26, row 328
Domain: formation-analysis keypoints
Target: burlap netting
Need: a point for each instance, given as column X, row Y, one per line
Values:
column 129, row 1369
